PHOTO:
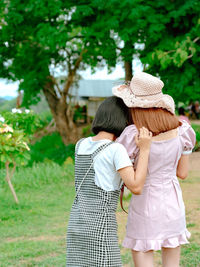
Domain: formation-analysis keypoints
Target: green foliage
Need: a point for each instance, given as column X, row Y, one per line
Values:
column 80, row 113
column 45, row 117
column 58, row 39
column 174, row 53
column 7, row 105
column 86, row 131
column 197, row 131
column 26, row 120
column 164, row 35
column 51, row 148
column 13, row 145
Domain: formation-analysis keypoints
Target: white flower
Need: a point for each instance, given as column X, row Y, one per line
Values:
column 2, row 119
column 16, row 110
column 6, row 129
column 27, row 110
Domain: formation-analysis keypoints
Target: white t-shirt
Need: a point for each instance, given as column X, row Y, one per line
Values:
column 106, row 162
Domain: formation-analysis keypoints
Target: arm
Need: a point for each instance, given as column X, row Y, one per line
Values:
column 135, row 180
column 183, row 166
column 188, row 140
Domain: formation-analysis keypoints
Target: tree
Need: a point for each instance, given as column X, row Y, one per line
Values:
column 163, row 34
column 38, row 37
column 172, row 50
column 13, row 151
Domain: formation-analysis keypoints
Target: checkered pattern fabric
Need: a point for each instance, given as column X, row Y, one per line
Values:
column 92, row 229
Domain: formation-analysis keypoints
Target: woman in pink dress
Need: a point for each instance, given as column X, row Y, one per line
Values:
column 156, row 218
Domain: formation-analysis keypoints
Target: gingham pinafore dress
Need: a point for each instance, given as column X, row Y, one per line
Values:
column 92, row 229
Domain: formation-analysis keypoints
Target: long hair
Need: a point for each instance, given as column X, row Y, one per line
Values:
column 156, row 120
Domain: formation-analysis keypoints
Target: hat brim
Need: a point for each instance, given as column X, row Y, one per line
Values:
column 163, row 101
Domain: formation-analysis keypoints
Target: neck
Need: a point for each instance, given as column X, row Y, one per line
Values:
column 104, row 135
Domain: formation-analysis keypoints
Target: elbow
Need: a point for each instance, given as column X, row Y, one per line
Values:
column 182, row 175
column 136, row 190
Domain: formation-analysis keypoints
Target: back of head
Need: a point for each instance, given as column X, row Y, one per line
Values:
column 111, row 116
column 156, row 120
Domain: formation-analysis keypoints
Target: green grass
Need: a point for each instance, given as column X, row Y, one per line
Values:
column 190, row 255
column 33, row 232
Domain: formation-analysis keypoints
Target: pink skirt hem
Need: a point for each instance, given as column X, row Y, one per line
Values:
column 157, row 244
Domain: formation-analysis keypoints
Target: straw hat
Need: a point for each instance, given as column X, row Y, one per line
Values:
column 144, row 91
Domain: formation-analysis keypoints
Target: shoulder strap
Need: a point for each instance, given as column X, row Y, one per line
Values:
column 99, row 149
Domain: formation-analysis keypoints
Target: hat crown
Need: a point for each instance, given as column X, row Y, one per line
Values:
column 144, row 84
column 144, row 91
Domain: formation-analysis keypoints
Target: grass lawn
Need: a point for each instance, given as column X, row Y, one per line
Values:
column 33, row 232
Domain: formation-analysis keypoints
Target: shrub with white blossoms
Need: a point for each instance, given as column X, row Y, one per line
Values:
column 25, row 120
column 13, row 151
column 2, row 119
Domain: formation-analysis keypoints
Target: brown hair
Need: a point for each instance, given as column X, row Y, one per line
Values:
column 156, row 120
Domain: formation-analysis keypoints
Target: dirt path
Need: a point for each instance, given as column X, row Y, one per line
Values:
column 195, row 162
column 195, row 122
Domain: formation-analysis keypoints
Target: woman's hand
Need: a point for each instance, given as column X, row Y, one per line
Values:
column 143, row 140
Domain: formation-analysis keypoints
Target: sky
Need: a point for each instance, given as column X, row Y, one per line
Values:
column 10, row 89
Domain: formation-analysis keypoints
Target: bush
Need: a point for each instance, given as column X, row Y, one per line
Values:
column 51, row 147
column 86, row 131
column 45, row 117
column 26, row 120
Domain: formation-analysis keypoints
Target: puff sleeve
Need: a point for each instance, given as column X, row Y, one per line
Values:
column 127, row 139
column 188, row 138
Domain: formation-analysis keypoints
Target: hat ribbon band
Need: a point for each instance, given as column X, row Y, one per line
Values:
column 148, row 94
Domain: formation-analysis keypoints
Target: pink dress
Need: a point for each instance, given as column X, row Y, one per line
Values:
column 156, row 218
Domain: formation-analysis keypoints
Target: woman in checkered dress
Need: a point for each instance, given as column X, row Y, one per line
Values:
column 100, row 164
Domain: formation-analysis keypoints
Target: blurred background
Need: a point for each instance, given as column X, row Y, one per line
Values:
column 58, row 61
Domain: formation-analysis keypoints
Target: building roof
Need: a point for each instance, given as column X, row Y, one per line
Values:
column 94, row 88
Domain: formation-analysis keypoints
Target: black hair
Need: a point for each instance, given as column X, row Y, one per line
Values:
column 181, row 111
column 112, row 116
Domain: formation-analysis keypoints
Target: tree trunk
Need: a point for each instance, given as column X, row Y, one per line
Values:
column 8, row 179
column 127, row 55
column 60, row 111
column 128, row 70
column 19, row 100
